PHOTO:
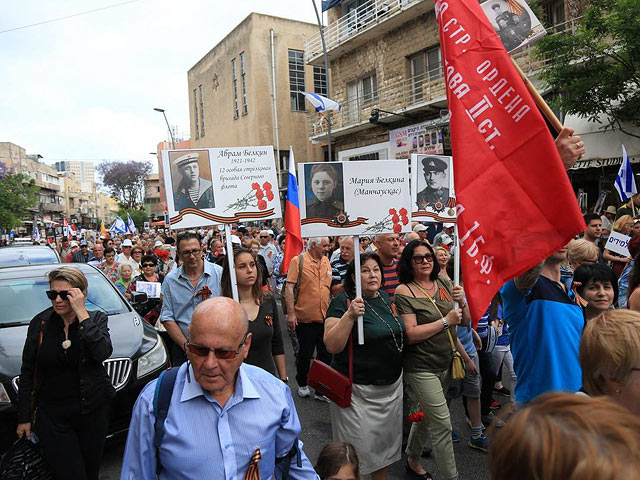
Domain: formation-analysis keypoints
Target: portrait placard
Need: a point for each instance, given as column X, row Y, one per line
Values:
column 354, row 198
column 432, row 195
column 220, row 185
column 514, row 22
column 152, row 289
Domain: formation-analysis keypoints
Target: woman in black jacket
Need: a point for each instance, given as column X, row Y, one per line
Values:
column 62, row 370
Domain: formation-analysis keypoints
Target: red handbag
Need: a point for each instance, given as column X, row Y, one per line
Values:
column 329, row 382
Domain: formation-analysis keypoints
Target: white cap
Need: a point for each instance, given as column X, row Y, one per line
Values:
column 446, row 239
column 420, row 228
column 127, row 243
column 236, row 239
column 186, row 159
column 270, row 232
column 158, row 243
column 448, row 225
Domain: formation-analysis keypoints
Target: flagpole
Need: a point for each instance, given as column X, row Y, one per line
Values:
column 356, row 262
column 232, row 267
column 326, row 69
column 456, row 259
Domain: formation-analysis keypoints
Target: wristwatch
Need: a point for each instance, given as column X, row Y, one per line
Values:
column 445, row 325
column 285, row 380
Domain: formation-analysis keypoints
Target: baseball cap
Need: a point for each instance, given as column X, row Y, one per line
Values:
column 158, row 243
column 420, row 228
column 446, row 239
column 448, row 225
column 236, row 239
column 73, row 243
column 83, row 243
column 270, row 232
column 127, row 243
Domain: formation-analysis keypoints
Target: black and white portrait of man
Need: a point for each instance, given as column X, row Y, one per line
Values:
column 192, row 185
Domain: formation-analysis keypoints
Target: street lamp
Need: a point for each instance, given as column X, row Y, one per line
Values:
column 173, row 143
column 375, row 115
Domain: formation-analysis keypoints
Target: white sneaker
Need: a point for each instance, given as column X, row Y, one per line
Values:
column 304, row 391
column 321, row 398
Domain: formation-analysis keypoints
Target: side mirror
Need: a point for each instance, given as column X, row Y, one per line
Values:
column 138, row 298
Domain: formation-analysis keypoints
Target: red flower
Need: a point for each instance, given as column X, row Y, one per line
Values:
column 405, row 220
column 255, row 186
column 266, row 186
column 403, row 211
column 262, row 204
column 269, row 195
column 259, row 194
column 397, row 228
column 415, row 417
column 395, row 219
column 392, row 211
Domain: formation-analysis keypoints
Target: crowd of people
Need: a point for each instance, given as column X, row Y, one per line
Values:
column 559, row 346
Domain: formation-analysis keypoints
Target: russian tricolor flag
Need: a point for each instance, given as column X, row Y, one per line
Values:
column 293, row 242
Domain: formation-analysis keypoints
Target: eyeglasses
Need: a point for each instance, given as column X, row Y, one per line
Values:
column 53, row 294
column 422, row 259
column 264, row 236
column 187, row 253
column 145, row 265
column 203, row 351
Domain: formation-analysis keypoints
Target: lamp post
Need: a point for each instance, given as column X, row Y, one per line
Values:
column 173, row 143
column 326, row 69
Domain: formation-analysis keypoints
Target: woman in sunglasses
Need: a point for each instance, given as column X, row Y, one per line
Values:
column 148, row 265
column 267, row 349
column 62, row 370
column 424, row 300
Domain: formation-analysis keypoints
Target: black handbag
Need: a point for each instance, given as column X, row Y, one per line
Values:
column 24, row 461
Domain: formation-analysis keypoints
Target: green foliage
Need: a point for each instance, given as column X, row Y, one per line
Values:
column 125, row 180
column 598, row 68
column 17, row 197
column 138, row 217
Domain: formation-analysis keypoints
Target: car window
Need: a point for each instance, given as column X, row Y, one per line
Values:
column 23, row 299
column 26, row 256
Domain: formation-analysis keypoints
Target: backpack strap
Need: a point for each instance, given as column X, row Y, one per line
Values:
column 294, row 452
column 161, row 402
column 297, row 288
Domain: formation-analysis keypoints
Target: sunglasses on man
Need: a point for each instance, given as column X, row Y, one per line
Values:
column 222, row 354
column 53, row 294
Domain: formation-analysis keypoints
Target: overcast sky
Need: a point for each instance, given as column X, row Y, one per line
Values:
column 84, row 88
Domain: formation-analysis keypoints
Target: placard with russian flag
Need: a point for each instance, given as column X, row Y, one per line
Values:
column 354, row 198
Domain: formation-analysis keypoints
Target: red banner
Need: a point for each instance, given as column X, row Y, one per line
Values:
column 515, row 205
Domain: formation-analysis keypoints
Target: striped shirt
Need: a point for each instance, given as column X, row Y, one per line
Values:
column 391, row 280
column 338, row 270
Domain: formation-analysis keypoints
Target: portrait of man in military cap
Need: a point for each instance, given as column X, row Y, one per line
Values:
column 325, row 196
column 435, row 186
column 192, row 185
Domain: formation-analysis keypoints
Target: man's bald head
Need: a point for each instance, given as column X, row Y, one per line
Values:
column 220, row 314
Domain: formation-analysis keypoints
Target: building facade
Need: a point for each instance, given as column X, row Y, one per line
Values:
column 153, row 202
column 83, row 170
column 232, row 99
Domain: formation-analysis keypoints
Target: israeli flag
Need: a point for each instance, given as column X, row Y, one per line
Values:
column 321, row 103
column 625, row 182
column 118, row 226
column 131, row 227
column 36, row 233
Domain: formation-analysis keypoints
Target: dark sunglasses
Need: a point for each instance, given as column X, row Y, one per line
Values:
column 264, row 236
column 188, row 253
column 203, row 351
column 422, row 259
column 145, row 265
column 53, row 294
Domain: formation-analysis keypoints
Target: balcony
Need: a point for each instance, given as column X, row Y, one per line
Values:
column 363, row 25
column 51, row 207
column 419, row 95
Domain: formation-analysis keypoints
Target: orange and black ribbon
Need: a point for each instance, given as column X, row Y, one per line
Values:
column 253, row 472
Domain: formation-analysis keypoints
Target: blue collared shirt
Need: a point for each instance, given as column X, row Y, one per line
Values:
column 179, row 296
column 204, row 440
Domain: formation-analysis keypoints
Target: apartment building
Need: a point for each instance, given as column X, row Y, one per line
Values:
column 107, row 208
column 248, row 90
column 153, row 202
column 83, row 170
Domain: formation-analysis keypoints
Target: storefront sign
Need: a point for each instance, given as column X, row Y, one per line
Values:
column 602, row 162
column 422, row 138
column 618, row 243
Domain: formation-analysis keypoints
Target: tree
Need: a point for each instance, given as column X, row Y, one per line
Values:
column 597, row 68
column 17, row 197
column 138, row 216
column 125, row 180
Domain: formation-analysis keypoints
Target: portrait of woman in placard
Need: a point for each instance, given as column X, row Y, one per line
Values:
column 324, row 187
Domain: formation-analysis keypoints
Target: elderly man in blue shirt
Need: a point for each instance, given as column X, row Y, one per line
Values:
column 220, row 412
column 184, row 288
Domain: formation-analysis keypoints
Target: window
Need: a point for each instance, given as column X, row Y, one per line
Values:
column 201, row 113
column 554, row 14
column 236, row 111
column 426, row 67
column 369, row 88
column 296, row 80
column 359, row 93
column 243, row 74
column 195, row 112
column 320, row 81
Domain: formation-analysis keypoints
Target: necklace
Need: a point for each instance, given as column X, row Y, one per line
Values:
column 393, row 336
column 427, row 290
column 66, row 343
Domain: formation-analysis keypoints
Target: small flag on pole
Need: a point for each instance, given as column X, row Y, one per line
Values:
column 625, row 182
column 131, row 227
column 321, row 103
column 119, row 226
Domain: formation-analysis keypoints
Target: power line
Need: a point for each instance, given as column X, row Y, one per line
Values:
column 68, row 16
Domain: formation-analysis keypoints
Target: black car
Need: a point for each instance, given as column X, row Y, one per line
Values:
column 27, row 255
column 139, row 355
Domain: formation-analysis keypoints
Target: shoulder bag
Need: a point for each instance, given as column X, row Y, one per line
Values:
column 296, row 287
column 457, row 365
column 331, row 383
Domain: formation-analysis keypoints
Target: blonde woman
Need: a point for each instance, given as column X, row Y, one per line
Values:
column 442, row 257
column 623, row 225
column 581, row 251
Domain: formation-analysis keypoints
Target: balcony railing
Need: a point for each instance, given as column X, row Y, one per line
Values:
column 356, row 21
column 400, row 97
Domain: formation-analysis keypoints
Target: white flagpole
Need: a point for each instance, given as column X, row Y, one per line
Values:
column 232, row 267
column 456, row 259
column 356, row 261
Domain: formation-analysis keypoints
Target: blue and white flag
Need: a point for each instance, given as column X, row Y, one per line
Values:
column 36, row 233
column 118, row 226
column 625, row 182
column 131, row 227
column 321, row 103
column 327, row 4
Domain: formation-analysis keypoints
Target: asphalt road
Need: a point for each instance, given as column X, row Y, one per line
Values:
column 316, row 432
